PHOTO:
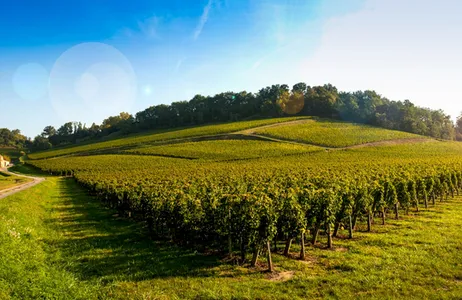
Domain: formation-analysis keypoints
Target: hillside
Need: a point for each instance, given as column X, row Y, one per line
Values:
column 141, row 139
column 332, row 134
column 330, row 209
column 302, row 100
column 301, row 130
column 225, row 149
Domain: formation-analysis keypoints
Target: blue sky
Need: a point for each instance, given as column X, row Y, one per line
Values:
column 85, row 60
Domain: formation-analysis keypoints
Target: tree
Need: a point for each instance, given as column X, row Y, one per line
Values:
column 48, row 131
column 291, row 103
column 12, row 138
column 269, row 99
column 114, row 121
column 66, row 129
column 41, row 143
column 299, row 87
column 458, row 129
column 321, row 100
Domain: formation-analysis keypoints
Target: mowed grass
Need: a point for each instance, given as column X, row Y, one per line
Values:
column 333, row 134
column 162, row 136
column 226, row 149
column 56, row 242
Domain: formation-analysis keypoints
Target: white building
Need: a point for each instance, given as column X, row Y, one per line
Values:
column 3, row 163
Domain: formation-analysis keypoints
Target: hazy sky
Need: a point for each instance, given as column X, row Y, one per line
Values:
column 85, row 60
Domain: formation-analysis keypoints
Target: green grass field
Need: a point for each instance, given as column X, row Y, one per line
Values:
column 59, row 243
column 333, row 134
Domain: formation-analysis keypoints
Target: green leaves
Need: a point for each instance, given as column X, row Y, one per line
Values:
column 247, row 203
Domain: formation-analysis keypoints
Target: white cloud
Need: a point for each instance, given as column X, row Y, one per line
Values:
column 203, row 19
column 146, row 29
column 402, row 49
column 179, row 63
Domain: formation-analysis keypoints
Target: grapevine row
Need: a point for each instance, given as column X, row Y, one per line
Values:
column 247, row 207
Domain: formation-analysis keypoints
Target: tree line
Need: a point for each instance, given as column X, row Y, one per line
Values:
column 367, row 107
column 12, row 138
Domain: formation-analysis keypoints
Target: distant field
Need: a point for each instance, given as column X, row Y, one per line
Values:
column 145, row 167
column 333, row 134
column 170, row 135
column 226, row 149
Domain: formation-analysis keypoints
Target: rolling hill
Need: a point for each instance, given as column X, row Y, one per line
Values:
column 331, row 209
column 299, row 130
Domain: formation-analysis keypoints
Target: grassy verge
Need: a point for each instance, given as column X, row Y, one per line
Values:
column 8, row 181
column 58, row 243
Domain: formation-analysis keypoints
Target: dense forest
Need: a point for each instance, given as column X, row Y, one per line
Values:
column 365, row 107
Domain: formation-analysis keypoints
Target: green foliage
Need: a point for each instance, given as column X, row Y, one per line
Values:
column 12, row 138
column 207, row 204
column 58, row 243
column 253, row 201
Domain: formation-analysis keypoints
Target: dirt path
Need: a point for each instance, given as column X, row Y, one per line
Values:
column 13, row 190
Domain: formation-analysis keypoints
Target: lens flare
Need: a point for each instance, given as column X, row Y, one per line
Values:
column 291, row 103
column 147, row 90
column 30, row 81
column 92, row 80
column 87, row 86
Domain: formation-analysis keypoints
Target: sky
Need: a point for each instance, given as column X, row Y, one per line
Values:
column 86, row 60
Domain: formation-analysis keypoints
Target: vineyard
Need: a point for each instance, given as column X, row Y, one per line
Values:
column 334, row 134
column 249, row 207
column 230, row 150
column 163, row 136
column 226, row 150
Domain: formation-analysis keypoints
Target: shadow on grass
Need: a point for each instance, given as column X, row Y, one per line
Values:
column 25, row 169
column 99, row 245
